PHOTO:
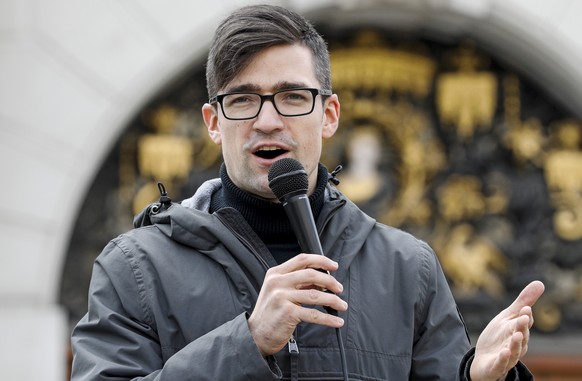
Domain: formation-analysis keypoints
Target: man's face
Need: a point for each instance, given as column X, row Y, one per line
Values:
column 245, row 142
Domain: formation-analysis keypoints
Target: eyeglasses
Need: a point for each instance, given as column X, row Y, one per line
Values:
column 245, row 105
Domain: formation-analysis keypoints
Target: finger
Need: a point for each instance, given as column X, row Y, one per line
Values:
column 304, row 261
column 527, row 311
column 522, row 322
column 303, row 279
column 524, row 344
column 312, row 315
column 515, row 348
column 310, row 278
column 501, row 364
column 319, row 298
column 522, row 325
column 528, row 296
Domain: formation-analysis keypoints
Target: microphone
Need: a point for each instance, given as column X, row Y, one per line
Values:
column 288, row 181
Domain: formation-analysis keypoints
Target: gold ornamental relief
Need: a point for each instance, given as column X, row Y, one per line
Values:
column 392, row 156
column 366, row 74
column 362, row 179
column 165, row 157
column 466, row 100
column 563, row 172
column 371, row 66
column 471, row 259
column 461, row 199
column 526, row 139
column 168, row 155
column 559, row 154
column 473, row 262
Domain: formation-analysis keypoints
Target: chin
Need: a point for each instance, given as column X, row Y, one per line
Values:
column 260, row 189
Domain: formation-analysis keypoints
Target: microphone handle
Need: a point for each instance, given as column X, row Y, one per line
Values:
column 298, row 210
column 299, row 213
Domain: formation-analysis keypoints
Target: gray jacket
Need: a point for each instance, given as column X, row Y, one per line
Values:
column 169, row 300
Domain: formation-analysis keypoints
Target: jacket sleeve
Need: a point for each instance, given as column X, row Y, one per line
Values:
column 441, row 339
column 442, row 344
column 116, row 339
column 518, row 373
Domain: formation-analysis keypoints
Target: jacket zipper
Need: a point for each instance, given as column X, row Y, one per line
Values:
column 244, row 241
column 294, row 354
column 293, row 348
column 292, row 344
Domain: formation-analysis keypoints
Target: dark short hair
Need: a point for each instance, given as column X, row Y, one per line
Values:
column 253, row 28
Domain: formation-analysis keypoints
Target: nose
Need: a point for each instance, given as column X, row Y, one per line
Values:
column 268, row 119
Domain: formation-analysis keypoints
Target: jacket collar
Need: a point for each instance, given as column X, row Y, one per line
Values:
column 344, row 225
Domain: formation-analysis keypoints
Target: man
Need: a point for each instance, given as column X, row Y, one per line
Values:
column 216, row 288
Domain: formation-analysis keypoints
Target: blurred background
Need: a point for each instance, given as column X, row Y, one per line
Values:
column 461, row 123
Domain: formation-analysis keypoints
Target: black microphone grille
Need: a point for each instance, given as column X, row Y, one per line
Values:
column 287, row 176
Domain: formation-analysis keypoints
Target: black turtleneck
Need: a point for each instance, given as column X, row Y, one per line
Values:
column 268, row 219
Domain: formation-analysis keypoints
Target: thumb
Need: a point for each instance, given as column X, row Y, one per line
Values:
column 528, row 296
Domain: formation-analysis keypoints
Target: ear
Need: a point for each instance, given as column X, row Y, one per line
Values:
column 331, row 113
column 209, row 113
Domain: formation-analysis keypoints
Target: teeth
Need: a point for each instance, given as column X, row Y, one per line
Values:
column 269, row 152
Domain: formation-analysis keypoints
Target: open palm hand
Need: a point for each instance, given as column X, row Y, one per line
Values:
column 505, row 339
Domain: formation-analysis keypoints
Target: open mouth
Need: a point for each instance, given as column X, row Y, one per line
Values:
column 270, row 152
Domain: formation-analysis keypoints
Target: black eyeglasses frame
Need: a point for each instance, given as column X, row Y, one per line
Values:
column 270, row 97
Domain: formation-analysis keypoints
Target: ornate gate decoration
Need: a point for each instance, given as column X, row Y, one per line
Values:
column 438, row 140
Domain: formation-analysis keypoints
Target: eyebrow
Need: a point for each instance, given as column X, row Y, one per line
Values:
column 283, row 85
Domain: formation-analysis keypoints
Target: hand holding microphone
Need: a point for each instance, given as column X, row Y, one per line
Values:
column 299, row 281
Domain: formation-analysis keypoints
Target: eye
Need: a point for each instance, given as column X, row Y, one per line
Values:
column 236, row 100
column 294, row 96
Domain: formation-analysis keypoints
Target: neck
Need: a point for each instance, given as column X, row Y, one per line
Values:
column 268, row 219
